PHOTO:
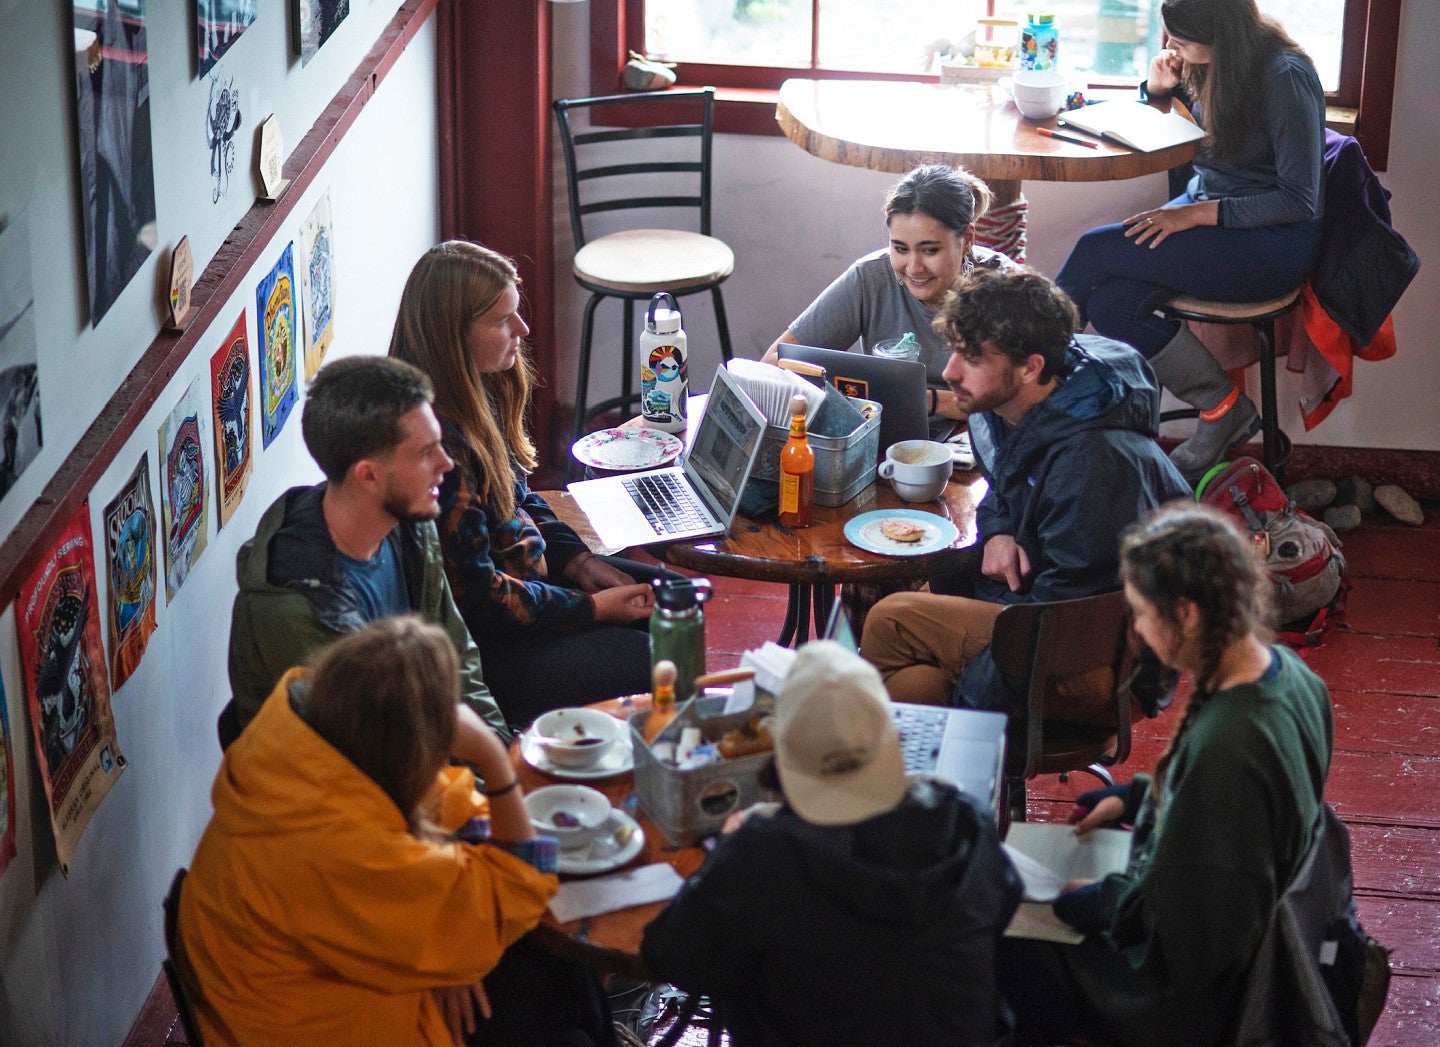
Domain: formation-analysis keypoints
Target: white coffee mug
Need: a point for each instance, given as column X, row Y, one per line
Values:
column 918, row 470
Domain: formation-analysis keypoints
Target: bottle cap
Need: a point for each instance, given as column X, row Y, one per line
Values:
column 1042, row 17
column 681, row 594
column 798, row 404
column 667, row 321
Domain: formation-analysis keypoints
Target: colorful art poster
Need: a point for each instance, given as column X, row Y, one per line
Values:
column 184, row 514
column 112, row 111
column 314, row 21
column 233, row 419
column 129, row 523
column 317, row 284
column 218, row 24
column 275, row 327
column 7, row 786
column 64, row 664
column 19, row 385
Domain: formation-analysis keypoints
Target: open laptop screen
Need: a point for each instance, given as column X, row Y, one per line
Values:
column 724, row 445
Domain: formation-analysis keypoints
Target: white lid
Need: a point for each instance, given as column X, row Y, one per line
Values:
column 667, row 321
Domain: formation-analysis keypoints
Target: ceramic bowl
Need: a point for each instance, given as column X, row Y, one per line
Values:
column 573, row 814
column 577, row 738
column 918, row 470
column 1039, row 93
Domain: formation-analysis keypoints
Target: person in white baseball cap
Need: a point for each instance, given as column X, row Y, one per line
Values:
column 864, row 908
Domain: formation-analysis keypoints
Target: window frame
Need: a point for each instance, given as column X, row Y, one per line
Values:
column 746, row 95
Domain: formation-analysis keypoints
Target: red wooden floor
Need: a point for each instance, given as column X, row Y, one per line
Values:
column 1383, row 669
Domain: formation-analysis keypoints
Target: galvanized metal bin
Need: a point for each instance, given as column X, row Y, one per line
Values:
column 844, row 465
column 689, row 805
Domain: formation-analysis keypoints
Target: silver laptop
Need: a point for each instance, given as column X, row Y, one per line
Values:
column 695, row 499
column 963, row 746
column 899, row 386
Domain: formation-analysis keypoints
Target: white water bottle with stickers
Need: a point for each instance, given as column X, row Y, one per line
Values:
column 663, row 372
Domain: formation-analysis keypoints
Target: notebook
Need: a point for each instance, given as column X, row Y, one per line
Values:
column 963, row 746
column 1134, row 124
column 695, row 499
column 898, row 386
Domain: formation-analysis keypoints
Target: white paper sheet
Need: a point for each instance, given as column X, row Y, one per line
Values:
column 581, row 898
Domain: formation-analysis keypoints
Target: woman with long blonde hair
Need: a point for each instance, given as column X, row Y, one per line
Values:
column 552, row 620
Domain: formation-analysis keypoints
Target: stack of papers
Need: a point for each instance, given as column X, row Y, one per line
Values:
column 1048, row 856
column 1137, row 125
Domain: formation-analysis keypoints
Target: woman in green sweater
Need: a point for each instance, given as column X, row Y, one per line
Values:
column 1221, row 826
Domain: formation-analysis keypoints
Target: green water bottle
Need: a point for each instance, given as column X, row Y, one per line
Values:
column 677, row 630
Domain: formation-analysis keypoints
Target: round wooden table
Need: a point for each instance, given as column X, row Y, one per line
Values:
column 813, row 560
column 888, row 125
column 611, row 941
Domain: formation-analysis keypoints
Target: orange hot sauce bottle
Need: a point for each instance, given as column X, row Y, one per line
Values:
column 797, row 471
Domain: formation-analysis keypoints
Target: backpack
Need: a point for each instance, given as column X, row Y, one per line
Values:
column 1301, row 554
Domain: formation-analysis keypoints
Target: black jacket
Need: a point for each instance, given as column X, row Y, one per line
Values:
column 1080, row 467
column 882, row 932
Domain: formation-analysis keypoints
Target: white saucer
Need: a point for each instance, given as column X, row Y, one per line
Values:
column 603, row 853
column 618, row 759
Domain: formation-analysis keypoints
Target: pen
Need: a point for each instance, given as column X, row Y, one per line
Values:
column 1068, row 137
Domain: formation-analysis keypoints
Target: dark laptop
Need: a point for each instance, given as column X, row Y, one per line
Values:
column 898, row 386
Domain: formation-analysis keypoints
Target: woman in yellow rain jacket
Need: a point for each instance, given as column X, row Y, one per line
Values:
column 329, row 900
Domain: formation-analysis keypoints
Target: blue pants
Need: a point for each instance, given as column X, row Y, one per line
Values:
column 1118, row 284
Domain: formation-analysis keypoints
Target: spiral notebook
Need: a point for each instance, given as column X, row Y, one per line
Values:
column 1134, row 124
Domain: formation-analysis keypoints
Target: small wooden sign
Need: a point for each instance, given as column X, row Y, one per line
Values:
column 272, row 159
column 182, row 272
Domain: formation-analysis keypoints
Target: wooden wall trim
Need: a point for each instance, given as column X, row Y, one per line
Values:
column 495, row 168
column 72, row 482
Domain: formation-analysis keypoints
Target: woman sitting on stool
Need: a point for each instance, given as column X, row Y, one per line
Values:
column 550, row 618
column 1221, row 827
column 1245, row 229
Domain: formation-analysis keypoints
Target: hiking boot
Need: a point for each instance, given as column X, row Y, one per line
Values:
column 1227, row 415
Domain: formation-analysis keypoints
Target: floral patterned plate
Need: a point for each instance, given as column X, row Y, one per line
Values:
column 627, row 448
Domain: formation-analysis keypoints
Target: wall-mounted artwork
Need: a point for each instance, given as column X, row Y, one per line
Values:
column 233, row 419
column 64, row 664
column 222, row 123
column 19, row 385
column 317, row 283
column 218, row 24
column 275, row 329
column 184, row 502
column 314, row 21
column 112, row 106
column 129, row 523
column 7, row 785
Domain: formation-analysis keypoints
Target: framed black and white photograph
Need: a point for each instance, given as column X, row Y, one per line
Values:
column 19, row 387
column 218, row 24
column 315, row 20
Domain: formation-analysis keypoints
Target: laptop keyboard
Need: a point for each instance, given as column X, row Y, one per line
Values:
column 667, row 504
column 921, row 730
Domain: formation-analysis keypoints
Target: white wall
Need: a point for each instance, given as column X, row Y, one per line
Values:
column 80, row 954
column 795, row 222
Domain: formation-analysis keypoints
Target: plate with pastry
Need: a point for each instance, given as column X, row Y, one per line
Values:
column 901, row 532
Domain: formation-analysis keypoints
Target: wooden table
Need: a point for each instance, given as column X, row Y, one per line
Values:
column 610, row 941
column 887, row 125
column 811, row 560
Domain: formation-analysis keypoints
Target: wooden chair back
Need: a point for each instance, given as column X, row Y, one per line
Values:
column 184, row 986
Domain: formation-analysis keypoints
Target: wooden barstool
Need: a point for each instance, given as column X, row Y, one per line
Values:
column 1261, row 316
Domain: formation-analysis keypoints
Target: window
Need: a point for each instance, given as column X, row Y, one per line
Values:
column 754, row 45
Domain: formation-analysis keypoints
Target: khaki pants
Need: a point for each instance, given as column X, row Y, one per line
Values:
column 921, row 642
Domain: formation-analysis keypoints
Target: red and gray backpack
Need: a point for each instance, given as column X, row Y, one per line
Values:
column 1301, row 554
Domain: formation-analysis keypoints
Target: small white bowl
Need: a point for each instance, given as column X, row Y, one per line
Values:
column 576, row 738
column 582, row 813
column 1039, row 93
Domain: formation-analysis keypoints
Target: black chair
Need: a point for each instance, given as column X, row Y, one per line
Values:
column 183, row 984
column 227, row 725
column 1261, row 316
column 1042, row 644
column 634, row 264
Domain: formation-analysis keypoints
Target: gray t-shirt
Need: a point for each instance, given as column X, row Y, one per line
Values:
column 868, row 303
